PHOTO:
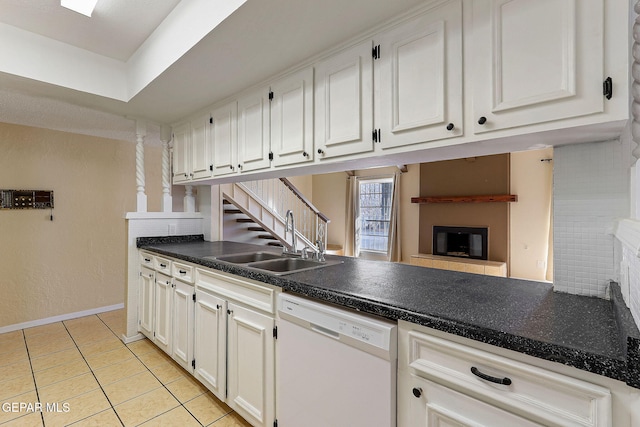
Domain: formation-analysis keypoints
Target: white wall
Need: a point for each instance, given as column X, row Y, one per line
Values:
column 590, row 192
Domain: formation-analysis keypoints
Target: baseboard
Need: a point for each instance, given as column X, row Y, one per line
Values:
column 59, row 318
column 128, row 340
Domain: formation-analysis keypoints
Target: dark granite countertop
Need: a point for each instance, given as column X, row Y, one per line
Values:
column 591, row 334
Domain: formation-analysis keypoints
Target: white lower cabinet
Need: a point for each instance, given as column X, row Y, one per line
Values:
column 210, row 342
column 182, row 322
column 250, row 364
column 163, row 322
column 217, row 326
column 437, row 405
column 147, row 285
column 234, row 349
column 445, row 383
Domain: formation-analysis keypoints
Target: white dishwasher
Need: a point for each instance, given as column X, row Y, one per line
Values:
column 335, row 367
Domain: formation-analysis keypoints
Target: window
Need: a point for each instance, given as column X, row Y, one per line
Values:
column 375, row 199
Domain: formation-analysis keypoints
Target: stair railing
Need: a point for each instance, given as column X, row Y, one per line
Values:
column 280, row 195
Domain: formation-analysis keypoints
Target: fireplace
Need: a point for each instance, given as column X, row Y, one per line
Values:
column 463, row 242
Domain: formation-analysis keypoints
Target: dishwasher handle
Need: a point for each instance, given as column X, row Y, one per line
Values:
column 324, row 331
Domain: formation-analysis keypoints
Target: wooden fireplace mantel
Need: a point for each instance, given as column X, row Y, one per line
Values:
column 466, row 199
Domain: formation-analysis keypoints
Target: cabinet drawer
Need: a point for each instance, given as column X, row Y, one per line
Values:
column 162, row 264
column 251, row 293
column 442, row 406
column 184, row 272
column 537, row 393
column 147, row 259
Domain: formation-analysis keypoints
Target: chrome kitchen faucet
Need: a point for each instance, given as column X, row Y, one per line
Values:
column 288, row 215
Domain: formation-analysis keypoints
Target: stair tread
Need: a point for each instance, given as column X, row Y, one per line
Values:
column 267, row 236
column 244, row 220
column 256, row 229
column 226, row 202
column 274, row 244
column 232, row 211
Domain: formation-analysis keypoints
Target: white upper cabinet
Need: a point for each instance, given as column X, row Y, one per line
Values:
column 536, row 61
column 344, row 102
column 253, row 130
column 418, row 78
column 292, row 118
column 181, row 147
column 201, row 153
column 224, row 138
column 192, row 156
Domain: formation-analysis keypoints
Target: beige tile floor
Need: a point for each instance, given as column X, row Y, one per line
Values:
column 81, row 374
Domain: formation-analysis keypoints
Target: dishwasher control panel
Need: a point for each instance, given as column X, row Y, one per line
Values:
column 337, row 322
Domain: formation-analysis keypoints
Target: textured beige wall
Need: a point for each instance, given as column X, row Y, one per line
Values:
column 77, row 261
column 531, row 248
column 330, row 197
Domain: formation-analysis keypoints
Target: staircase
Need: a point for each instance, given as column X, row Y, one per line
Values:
column 240, row 227
column 254, row 212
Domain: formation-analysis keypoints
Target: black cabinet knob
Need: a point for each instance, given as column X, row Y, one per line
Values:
column 320, row 151
column 417, row 391
column 239, row 166
column 482, row 120
column 304, row 153
column 450, row 127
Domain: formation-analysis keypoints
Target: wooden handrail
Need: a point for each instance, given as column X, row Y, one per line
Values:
column 304, row 200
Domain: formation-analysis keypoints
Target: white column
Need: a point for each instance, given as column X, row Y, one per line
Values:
column 635, row 111
column 167, row 201
column 189, row 199
column 141, row 198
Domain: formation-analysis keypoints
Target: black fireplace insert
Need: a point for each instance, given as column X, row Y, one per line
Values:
column 463, row 242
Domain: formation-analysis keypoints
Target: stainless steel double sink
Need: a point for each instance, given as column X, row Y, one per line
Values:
column 274, row 263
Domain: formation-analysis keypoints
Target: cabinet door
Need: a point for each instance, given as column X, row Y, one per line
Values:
column 162, row 318
column 344, row 102
column 145, row 305
column 253, row 131
column 224, row 138
column 536, row 61
column 182, row 336
column 419, row 78
column 201, row 149
column 181, row 154
column 210, row 342
column 251, row 365
column 292, row 118
column 434, row 405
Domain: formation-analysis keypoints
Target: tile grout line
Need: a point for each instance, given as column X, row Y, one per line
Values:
column 165, row 386
column 156, row 377
column 94, row 376
column 33, row 374
column 100, row 386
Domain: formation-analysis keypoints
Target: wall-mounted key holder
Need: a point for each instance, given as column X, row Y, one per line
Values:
column 26, row 199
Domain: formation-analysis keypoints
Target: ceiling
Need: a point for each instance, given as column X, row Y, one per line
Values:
column 159, row 60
